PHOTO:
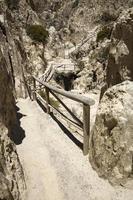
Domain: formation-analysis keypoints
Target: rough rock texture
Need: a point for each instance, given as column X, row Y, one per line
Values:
column 12, row 183
column 11, row 173
column 72, row 25
column 120, row 64
column 25, row 56
column 111, row 151
column 107, row 54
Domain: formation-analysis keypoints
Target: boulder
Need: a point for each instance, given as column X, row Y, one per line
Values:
column 111, row 143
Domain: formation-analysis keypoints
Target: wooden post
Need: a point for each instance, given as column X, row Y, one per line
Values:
column 34, row 89
column 86, row 128
column 47, row 99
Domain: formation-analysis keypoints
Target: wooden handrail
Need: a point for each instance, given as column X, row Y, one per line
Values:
column 60, row 113
column 79, row 98
column 70, row 112
column 87, row 102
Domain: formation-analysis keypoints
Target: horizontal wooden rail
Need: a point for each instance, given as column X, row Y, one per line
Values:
column 87, row 102
column 70, row 112
column 60, row 113
column 79, row 98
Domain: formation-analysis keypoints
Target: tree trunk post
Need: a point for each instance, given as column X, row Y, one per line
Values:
column 34, row 90
column 47, row 99
column 86, row 128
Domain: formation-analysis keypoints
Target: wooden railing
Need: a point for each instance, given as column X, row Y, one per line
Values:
column 87, row 102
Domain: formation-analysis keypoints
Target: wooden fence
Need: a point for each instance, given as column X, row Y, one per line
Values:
column 86, row 102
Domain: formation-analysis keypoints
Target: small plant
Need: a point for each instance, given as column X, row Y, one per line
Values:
column 108, row 17
column 53, row 102
column 37, row 33
column 105, row 32
column 12, row 4
column 75, row 3
column 31, row 3
column 103, row 55
column 81, row 65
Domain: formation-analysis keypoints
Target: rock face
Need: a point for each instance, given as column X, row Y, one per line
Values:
column 11, row 174
column 111, row 151
column 23, row 55
column 120, row 64
column 108, row 53
column 72, row 25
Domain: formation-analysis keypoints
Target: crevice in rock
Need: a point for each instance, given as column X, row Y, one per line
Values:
column 65, row 80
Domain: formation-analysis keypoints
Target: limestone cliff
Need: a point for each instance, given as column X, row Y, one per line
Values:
column 120, row 63
column 97, row 39
column 25, row 56
column 83, row 29
column 11, row 174
column 12, row 182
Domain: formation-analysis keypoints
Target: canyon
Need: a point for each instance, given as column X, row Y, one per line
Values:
column 86, row 47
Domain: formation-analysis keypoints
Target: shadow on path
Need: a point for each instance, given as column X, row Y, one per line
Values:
column 67, row 132
column 63, row 128
column 17, row 134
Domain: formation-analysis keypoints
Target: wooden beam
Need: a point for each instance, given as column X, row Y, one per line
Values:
column 87, row 102
column 43, row 101
column 59, row 112
column 86, row 128
column 47, row 99
column 76, row 97
column 34, row 89
column 68, row 110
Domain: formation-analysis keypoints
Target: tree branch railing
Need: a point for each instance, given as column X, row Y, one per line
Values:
column 87, row 102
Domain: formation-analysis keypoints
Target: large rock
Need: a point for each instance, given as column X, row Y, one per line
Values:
column 111, row 146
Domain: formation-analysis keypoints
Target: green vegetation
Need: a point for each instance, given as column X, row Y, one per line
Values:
column 75, row 3
column 103, row 54
column 53, row 102
column 105, row 32
column 81, row 65
column 12, row 4
column 31, row 3
column 108, row 17
column 38, row 33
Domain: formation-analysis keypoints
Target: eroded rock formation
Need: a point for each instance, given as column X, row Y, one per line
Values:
column 11, row 174
column 72, row 25
column 120, row 64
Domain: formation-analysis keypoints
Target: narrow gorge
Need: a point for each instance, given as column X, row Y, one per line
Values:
column 82, row 49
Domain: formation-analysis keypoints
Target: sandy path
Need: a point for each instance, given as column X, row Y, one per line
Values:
column 54, row 166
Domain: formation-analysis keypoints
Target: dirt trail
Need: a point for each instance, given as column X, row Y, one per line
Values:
column 54, row 166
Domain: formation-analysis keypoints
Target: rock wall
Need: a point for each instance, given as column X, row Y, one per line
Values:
column 12, row 182
column 111, row 150
column 120, row 63
column 69, row 24
column 24, row 56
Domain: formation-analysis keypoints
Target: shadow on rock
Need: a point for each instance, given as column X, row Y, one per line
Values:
column 17, row 134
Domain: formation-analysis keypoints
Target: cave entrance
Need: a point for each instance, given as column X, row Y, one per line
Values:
column 65, row 80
